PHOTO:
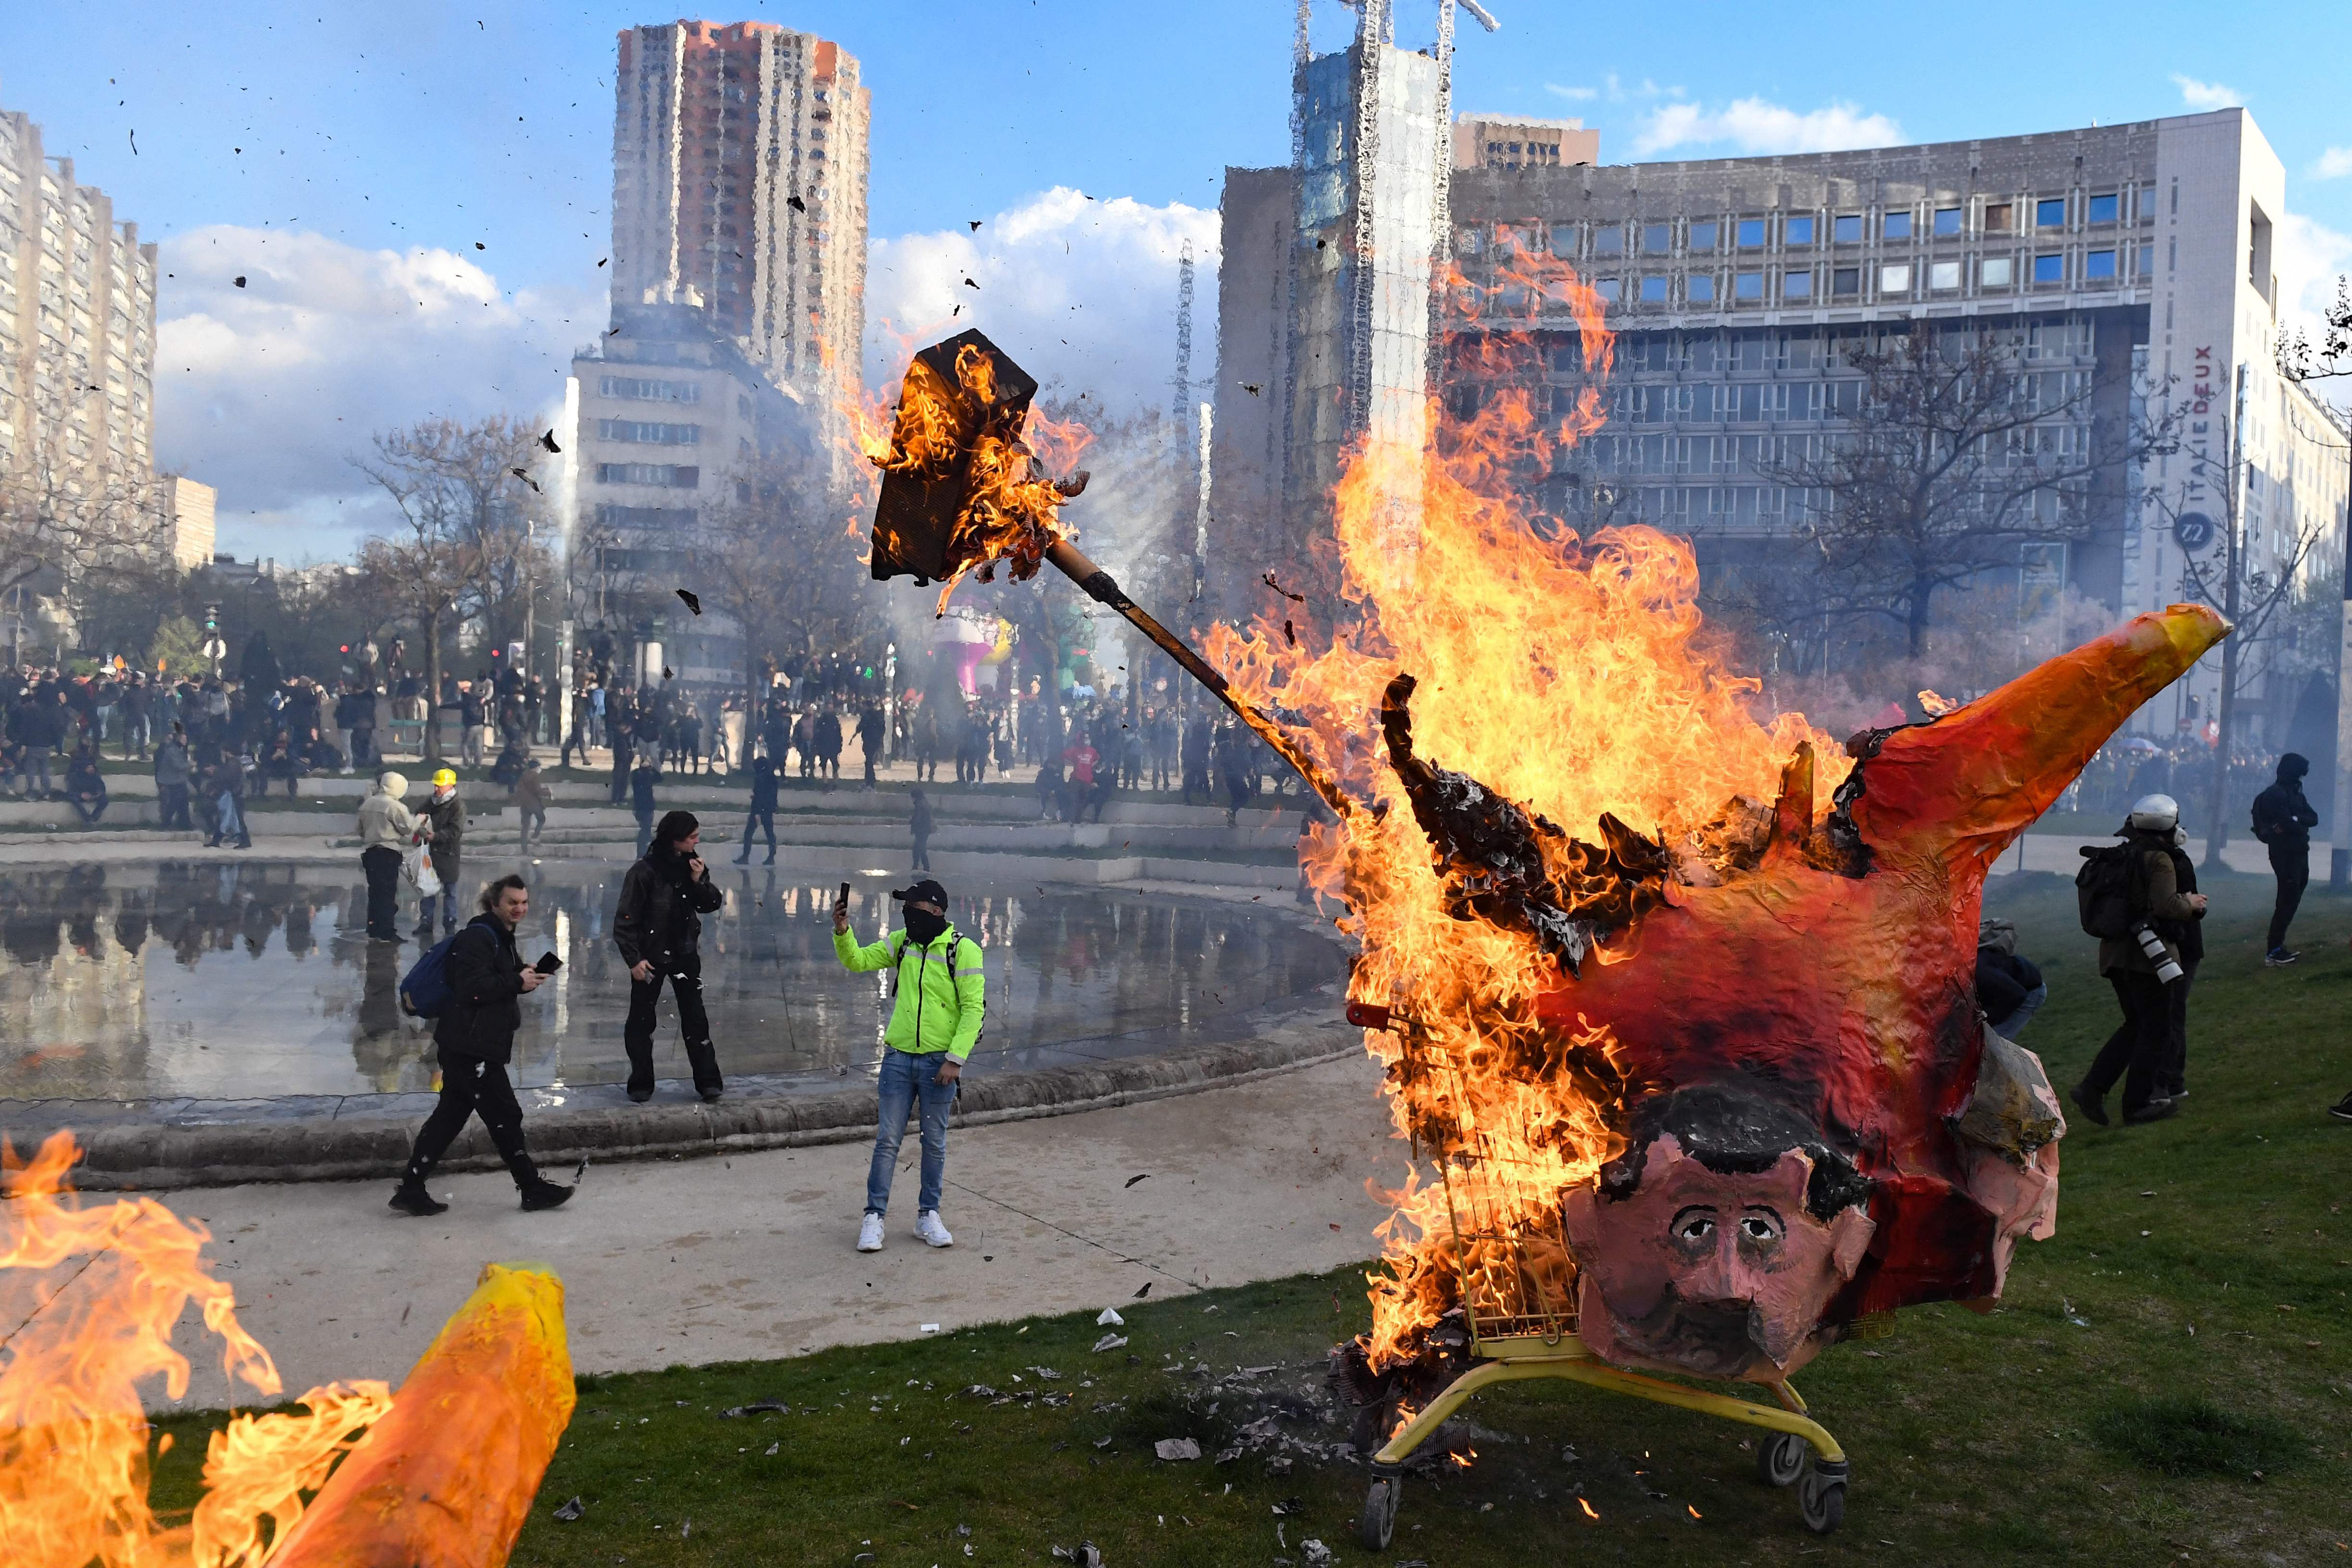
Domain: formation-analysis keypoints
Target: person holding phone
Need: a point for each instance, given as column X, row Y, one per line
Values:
column 474, row 1038
column 941, row 1004
column 658, row 929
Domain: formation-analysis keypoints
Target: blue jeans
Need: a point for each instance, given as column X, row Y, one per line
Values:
column 906, row 1078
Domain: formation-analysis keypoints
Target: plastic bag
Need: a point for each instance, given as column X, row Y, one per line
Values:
column 417, row 869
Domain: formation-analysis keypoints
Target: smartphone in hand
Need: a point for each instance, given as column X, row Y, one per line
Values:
column 548, row 963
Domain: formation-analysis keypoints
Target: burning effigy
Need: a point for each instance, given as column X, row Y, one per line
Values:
column 439, row 1475
column 1675, row 999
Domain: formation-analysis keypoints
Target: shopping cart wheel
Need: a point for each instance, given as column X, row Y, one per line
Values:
column 1781, row 1459
column 1377, row 1524
column 1821, row 1497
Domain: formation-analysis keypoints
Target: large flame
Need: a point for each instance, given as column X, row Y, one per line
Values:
column 1016, row 477
column 89, row 1298
column 1569, row 675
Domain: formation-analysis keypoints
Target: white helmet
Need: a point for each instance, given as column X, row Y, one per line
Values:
column 2154, row 812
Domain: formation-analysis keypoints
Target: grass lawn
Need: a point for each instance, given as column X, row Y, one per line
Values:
column 2170, row 1378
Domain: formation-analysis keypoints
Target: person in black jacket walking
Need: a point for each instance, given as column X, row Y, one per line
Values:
column 474, row 1038
column 763, row 810
column 658, row 929
column 2283, row 821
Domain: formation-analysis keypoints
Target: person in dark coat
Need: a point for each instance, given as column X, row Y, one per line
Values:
column 919, row 824
column 2009, row 986
column 2283, row 821
column 2136, row 1051
column 642, row 779
column 658, row 929
column 474, row 1038
column 870, row 738
column 763, row 810
column 85, row 785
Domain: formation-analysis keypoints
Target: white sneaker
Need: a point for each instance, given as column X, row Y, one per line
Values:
column 870, row 1234
column 930, row 1231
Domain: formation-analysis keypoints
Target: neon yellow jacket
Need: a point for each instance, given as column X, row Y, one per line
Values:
column 943, row 992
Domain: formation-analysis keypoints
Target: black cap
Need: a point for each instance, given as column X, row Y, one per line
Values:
column 925, row 891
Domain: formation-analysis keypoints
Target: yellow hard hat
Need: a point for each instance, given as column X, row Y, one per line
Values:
column 443, row 777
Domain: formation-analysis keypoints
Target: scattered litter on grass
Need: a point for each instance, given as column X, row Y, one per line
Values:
column 773, row 1448
column 1174, row 1450
column 1315, row 1554
column 930, row 1327
column 572, row 1510
column 1290, row 1505
column 1109, row 1343
column 777, row 1406
column 1111, row 1318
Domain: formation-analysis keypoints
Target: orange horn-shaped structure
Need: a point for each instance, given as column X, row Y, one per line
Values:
column 1823, row 1125
column 446, row 1480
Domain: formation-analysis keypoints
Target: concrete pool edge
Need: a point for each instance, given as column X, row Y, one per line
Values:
column 149, row 1157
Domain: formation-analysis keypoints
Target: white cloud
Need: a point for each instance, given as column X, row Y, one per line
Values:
column 2206, row 94
column 1081, row 293
column 1574, row 94
column 2333, row 164
column 1754, row 125
column 2308, row 257
column 267, row 392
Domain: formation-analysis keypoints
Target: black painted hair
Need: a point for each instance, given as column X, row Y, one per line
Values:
column 1733, row 1128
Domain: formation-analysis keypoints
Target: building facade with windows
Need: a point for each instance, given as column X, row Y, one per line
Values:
column 1494, row 142
column 76, row 329
column 2132, row 259
column 739, row 188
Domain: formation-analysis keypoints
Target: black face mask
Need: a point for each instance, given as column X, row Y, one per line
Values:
column 924, row 926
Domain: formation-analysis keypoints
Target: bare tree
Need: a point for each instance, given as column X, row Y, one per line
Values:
column 1956, row 453
column 464, row 493
column 2303, row 360
column 2257, row 597
column 67, row 524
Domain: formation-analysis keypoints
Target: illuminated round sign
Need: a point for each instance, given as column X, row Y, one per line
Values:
column 2194, row 531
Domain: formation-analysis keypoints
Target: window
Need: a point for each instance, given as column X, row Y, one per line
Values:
column 1798, row 285
column 2099, row 264
column 1657, row 238
column 1747, row 286
column 1943, row 275
column 1894, row 279
column 2102, row 210
column 1699, row 288
column 1702, row 236
column 1751, row 234
column 1993, row 272
column 2146, row 260
column 2050, row 268
column 1999, row 217
column 1845, row 280
column 1607, row 289
column 647, row 431
column 1947, row 220
column 2049, row 213
column 1896, row 225
column 1797, row 231
column 1469, row 242
column 1563, row 239
column 666, row 475
column 649, row 391
column 1846, row 229
column 1609, row 241
column 1653, row 290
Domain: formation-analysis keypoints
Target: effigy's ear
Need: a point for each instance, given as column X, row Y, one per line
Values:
column 1961, row 788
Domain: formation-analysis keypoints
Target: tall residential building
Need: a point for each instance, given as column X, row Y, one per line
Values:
column 76, row 327
column 1517, row 141
column 738, row 187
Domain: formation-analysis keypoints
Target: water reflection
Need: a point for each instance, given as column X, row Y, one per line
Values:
column 229, row 979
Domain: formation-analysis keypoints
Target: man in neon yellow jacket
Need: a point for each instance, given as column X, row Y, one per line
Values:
column 941, row 1002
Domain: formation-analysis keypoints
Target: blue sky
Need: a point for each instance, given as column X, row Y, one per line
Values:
column 278, row 140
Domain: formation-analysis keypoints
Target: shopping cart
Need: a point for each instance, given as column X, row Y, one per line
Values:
column 1518, row 1319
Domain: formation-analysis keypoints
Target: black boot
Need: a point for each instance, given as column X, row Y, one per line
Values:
column 411, row 1198
column 541, row 1193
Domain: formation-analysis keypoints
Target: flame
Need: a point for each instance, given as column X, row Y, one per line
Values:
column 1693, row 1510
column 91, row 1295
column 1011, row 514
column 1589, row 1512
column 1568, row 674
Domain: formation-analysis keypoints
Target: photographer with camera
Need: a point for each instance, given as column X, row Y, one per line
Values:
column 2130, row 893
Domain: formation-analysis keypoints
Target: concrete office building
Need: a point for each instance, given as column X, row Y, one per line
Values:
column 2135, row 254
column 188, row 509
column 1495, row 141
column 76, row 329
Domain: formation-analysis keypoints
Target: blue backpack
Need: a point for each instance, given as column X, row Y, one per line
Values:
column 425, row 990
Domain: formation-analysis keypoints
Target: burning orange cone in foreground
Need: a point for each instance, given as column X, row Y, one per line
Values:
column 446, row 1480
column 90, row 1296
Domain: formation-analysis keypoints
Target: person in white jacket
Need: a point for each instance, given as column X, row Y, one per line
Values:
column 387, row 829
